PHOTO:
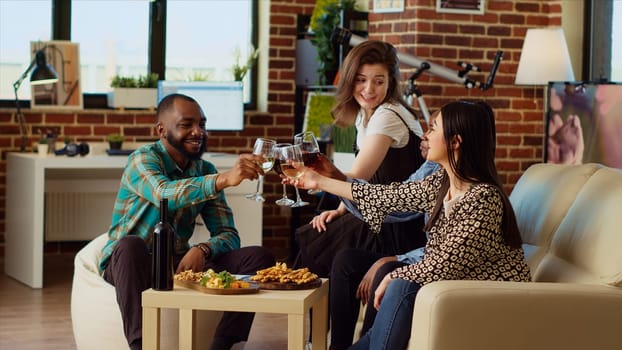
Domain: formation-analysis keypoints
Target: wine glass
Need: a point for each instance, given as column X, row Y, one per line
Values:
column 310, row 151
column 277, row 168
column 290, row 161
column 264, row 148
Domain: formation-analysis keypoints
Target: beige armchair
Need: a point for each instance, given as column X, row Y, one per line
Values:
column 570, row 217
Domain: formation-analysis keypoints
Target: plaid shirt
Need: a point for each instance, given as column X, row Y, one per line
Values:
column 151, row 174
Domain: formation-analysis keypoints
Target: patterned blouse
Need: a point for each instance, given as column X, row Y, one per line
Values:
column 467, row 245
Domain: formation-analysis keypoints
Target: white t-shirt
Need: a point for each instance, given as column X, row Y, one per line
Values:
column 385, row 122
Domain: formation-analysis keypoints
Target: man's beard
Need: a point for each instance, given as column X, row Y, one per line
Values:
column 179, row 146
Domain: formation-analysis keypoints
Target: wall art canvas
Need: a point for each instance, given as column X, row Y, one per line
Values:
column 584, row 123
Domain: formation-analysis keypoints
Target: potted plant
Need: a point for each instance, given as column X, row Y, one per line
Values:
column 326, row 16
column 132, row 92
column 42, row 146
column 239, row 70
column 115, row 141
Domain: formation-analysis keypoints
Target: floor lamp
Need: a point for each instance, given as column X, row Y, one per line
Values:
column 43, row 73
column 544, row 58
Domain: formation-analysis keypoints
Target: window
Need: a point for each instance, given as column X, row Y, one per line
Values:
column 20, row 23
column 202, row 43
column 602, row 59
column 113, row 39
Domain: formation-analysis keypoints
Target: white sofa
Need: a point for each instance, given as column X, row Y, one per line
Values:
column 95, row 314
column 570, row 218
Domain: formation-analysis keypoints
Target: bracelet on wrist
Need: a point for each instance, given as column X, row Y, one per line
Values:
column 207, row 252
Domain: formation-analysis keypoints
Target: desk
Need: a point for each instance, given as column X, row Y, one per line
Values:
column 294, row 303
column 37, row 189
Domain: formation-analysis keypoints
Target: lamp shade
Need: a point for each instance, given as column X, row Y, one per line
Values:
column 43, row 72
column 544, row 58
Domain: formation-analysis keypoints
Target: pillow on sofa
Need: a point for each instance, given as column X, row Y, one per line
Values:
column 586, row 246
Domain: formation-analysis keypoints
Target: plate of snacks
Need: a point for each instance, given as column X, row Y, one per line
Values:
column 282, row 277
column 215, row 283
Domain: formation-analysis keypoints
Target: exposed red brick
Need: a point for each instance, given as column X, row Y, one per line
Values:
column 33, row 118
column 527, row 7
column 77, row 130
column 58, row 118
column 105, row 130
column 533, row 140
column 512, row 19
column 472, row 29
column 499, row 31
column 499, row 5
column 120, row 118
column 539, row 21
column 136, row 131
column 84, row 118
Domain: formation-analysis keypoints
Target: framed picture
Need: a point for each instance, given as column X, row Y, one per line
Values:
column 387, row 6
column 584, row 123
column 317, row 114
column 475, row 7
column 64, row 58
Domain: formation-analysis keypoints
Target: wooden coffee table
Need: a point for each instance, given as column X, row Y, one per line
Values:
column 295, row 303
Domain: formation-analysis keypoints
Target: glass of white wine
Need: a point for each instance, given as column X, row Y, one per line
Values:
column 264, row 148
column 291, row 163
column 284, row 201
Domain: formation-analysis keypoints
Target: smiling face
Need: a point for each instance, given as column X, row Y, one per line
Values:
column 370, row 86
column 182, row 131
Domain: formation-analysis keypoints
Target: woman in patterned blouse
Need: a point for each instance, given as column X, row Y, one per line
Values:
column 472, row 227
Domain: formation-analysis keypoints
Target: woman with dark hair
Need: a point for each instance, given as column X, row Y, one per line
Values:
column 387, row 143
column 473, row 233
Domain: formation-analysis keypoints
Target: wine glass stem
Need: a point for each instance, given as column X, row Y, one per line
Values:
column 260, row 185
column 284, row 192
column 298, row 199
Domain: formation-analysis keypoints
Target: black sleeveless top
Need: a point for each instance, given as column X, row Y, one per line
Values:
column 399, row 163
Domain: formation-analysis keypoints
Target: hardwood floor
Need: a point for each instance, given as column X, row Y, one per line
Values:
column 38, row 318
column 41, row 319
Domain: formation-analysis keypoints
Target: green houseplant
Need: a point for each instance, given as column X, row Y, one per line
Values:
column 133, row 92
column 42, row 146
column 115, row 141
column 326, row 16
column 239, row 70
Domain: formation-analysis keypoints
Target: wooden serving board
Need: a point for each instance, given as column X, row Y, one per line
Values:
column 290, row 286
column 254, row 288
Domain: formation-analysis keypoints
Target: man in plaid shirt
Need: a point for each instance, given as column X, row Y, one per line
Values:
column 172, row 168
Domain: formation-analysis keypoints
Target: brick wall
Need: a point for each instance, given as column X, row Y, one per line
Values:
column 419, row 30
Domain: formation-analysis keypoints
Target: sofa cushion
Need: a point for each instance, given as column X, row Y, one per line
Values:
column 586, row 246
column 550, row 189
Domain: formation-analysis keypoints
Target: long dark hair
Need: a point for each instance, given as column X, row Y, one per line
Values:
column 368, row 52
column 474, row 123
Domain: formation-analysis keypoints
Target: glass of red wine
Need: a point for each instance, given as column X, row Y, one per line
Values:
column 310, row 150
column 284, row 201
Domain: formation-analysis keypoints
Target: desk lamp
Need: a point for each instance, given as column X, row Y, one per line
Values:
column 43, row 73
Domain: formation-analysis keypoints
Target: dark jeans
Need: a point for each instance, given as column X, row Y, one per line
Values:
column 129, row 270
column 391, row 330
column 349, row 267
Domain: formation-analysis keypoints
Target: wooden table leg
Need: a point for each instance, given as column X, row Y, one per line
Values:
column 186, row 328
column 151, row 328
column 319, row 325
column 295, row 332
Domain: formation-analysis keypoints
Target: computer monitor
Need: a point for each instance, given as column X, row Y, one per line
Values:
column 222, row 102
